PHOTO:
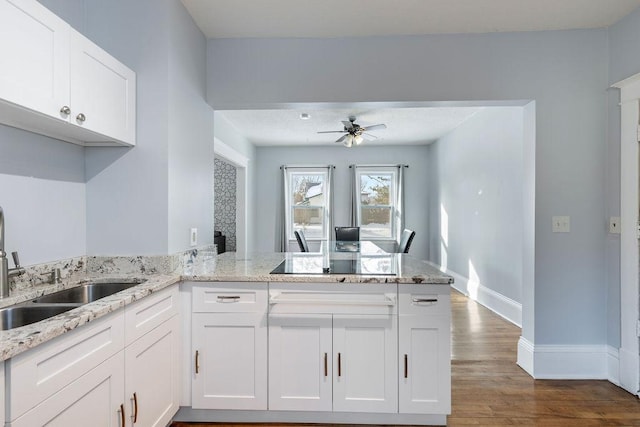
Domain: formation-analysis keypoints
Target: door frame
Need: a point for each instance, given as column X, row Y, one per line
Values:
column 629, row 352
column 228, row 154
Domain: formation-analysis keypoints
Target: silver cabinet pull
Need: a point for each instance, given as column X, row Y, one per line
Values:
column 65, row 110
column 228, row 298
column 419, row 300
column 81, row 118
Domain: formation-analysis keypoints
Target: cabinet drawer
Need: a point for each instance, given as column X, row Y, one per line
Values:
column 36, row 374
column 230, row 298
column 424, row 299
column 144, row 315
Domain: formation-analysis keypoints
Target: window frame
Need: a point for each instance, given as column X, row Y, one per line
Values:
column 289, row 205
column 393, row 199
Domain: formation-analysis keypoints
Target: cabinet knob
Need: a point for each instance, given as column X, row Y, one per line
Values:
column 81, row 118
column 65, row 110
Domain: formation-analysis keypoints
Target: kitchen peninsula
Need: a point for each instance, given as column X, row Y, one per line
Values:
column 304, row 345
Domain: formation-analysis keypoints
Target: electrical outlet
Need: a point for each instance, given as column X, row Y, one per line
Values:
column 561, row 224
column 614, row 225
column 193, row 236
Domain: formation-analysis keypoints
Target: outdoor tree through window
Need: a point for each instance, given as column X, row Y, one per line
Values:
column 307, row 203
column 376, row 204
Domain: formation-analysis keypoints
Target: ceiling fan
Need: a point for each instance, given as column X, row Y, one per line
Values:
column 354, row 133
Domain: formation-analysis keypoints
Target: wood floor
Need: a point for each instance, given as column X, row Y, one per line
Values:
column 489, row 389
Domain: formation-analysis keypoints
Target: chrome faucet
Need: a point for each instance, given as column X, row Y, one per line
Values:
column 5, row 271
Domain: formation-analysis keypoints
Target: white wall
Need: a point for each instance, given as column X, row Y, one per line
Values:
column 564, row 72
column 269, row 160
column 476, row 200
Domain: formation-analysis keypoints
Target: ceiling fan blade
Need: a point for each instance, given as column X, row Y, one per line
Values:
column 343, row 138
column 369, row 136
column 332, row 131
column 374, row 127
column 347, row 124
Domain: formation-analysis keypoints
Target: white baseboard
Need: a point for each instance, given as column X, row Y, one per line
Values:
column 525, row 355
column 571, row 362
column 628, row 375
column 613, row 365
column 501, row 305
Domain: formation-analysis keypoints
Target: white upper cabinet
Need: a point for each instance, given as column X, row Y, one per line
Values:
column 58, row 83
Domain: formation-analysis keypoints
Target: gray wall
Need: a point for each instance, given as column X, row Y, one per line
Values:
column 475, row 177
column 565, row 72
column 269, row 160
column 144, row 200
column 624, row 61
column 225, row 189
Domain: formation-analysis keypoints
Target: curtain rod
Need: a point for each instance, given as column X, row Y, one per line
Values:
column 307, row 166
column 379, row 166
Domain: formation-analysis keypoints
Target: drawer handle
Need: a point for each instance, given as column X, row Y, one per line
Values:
column 326, row 366
column 406, row 366
column 339, row 365
column 197, row 362
column 228, row 298
column 135, row 408
column 421, row 300
column 122, row 420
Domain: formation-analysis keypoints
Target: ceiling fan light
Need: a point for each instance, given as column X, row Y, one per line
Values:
column 348, row 142
column 358, row 139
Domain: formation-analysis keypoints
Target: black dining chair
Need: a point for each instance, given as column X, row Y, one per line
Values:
column 405, row 240
column 302, row 242
column 348, row 234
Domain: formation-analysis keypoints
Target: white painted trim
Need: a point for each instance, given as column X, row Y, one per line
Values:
column 501, row 305
column 525, row 355
column 241, row 163
column 223, row 150
column 613, row 365
column 629, row 353
column 570, row 362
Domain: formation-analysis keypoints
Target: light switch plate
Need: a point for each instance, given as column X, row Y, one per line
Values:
column 193, row 237
column 561, row 224
column 614, row 225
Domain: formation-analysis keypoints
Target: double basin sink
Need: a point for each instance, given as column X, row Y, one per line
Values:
column 56, row 303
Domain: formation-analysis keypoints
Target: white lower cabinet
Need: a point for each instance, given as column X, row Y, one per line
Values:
column 229, row 343
column 89, row 377
column 152, row 381
column 94, row 399
column 424, row 350
column 300, row 362
column 365, row 349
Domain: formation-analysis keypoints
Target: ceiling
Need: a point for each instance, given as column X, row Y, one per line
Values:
column 360, row 18
column 405, row 126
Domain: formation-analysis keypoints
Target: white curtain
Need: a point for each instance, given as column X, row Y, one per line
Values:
column 400, row 202
column 281, row 215
column 355, row 194
column 330, row 210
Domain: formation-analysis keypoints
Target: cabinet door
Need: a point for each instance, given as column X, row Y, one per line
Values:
column 365, row 350
column 230, row 361
column 34, row 44
column 425, row 364
column 95, row 399
column 300, row 362
column 151, row 375
column 103, row 91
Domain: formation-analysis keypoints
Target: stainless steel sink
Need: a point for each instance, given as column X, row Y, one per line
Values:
column 21, row 315
column 85, row 294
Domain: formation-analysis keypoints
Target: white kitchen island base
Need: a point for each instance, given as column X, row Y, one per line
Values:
column 187, row 414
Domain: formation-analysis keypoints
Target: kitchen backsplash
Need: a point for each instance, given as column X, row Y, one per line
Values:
column 200, row 259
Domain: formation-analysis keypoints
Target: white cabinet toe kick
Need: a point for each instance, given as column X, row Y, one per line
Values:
column 329, row 353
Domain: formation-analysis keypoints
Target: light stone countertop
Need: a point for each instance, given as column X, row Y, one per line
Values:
column 257, row 267
column 15, row 341
column 228, row 267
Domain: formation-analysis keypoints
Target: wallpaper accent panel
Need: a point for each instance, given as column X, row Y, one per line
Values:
column 225, row 189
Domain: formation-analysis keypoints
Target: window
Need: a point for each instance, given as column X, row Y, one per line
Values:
column 377, row 202
column 307, row 202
